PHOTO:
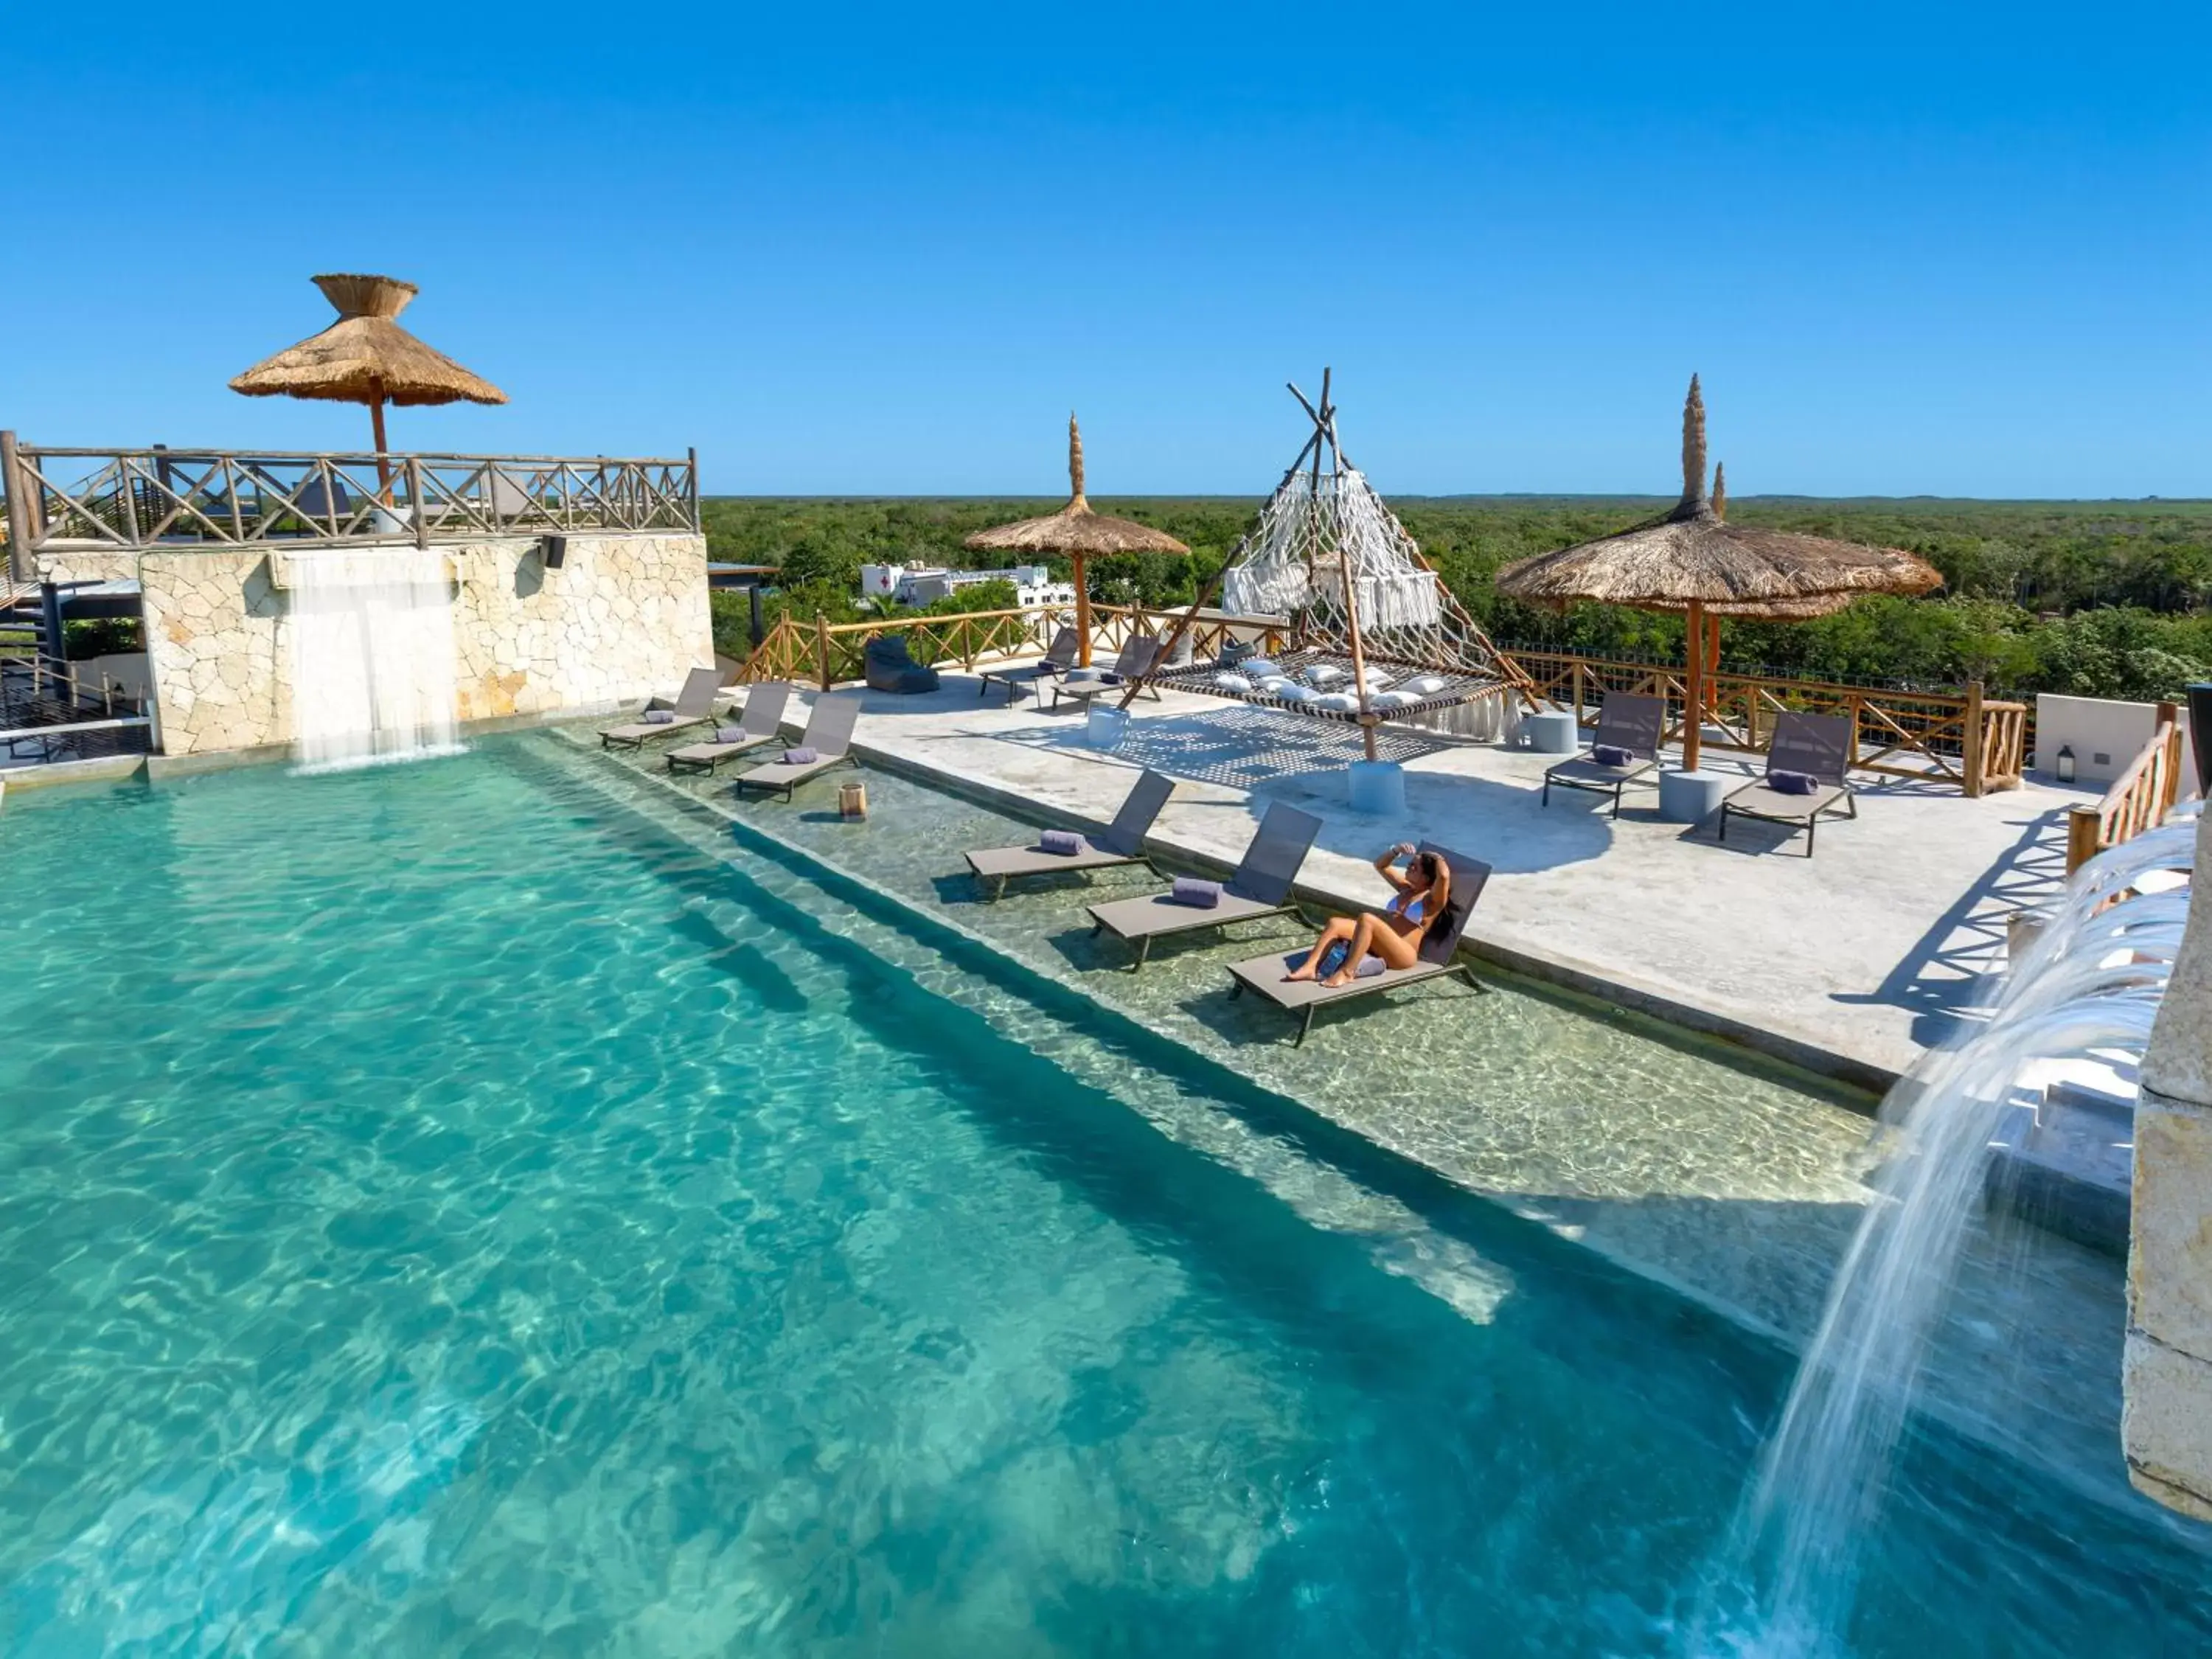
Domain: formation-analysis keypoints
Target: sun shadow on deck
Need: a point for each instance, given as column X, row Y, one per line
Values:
column 1940, row 979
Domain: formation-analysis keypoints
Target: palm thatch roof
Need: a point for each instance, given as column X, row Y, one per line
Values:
column 1075, row 529
column 1692, row 556
column 364, row 357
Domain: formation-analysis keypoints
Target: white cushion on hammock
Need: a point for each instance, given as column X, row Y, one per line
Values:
column 1323, row 675
column 1236, row 683
column 1260, row 669
column 1426, row 685
column 1290, row 691
column 1392, row 699
column 1343, row 702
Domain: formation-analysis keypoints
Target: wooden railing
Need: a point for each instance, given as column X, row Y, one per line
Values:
column 1960, row 737
column 2138, row 800
column 183, row 498
column 823, row 653
column 1208, row 633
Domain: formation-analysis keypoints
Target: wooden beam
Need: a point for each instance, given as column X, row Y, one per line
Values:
column 1693, row 688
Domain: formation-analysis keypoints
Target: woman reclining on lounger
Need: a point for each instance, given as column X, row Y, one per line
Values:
column 1395, row 934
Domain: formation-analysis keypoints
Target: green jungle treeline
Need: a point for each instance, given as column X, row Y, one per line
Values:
column 2092, row 598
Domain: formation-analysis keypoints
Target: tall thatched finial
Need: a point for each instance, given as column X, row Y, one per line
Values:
column 1074, row 462
column 1720, row 490
column 1693, row 444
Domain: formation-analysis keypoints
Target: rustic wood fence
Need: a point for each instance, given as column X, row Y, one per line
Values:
column 163, row 498
column 2138, row 800
column 1960, row 738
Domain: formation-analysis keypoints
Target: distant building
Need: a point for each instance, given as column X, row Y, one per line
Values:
column 918, row 583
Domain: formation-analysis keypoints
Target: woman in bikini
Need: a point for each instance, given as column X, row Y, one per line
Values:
column 1395, row 933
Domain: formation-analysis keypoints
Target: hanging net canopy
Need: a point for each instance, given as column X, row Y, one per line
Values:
column 1374, row 634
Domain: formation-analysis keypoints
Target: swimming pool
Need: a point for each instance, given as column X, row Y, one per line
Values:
column 454, row 1208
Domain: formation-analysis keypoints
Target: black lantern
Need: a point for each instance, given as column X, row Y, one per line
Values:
column 2064, row 768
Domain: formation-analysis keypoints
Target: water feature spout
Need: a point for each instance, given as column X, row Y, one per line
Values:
column 372, row 655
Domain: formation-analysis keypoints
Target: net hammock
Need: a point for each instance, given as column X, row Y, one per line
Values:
column 1332, row 560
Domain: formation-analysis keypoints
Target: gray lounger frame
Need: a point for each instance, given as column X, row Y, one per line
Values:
column 694, row 703
column 761, row 721
column 829, row 732
column 1636, row 721
column 1259, row 886
column 1121, row 843
column 1818, row 745
column 1135, row 663
column 1439, row 957
column 1057, row 661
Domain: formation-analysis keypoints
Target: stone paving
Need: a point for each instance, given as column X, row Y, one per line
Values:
column 1852, row 961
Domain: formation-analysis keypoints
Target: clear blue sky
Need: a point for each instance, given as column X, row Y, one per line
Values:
column 1943, row 248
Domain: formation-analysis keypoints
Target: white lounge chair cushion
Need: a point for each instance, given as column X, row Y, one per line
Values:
column 1236, row 683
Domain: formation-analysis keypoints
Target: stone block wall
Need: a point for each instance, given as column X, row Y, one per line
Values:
column 624, row 617
column 2167, row 1421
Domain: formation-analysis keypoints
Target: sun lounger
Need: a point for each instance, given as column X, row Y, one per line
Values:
column 762, row 722
column 1056, row 662
column 1260, row 887
column 694, row 703
column 1123, row 842
column 1439, row 956
column 1630, row 723
column 1817, row 746
column 828, row 734
column 1133, row 664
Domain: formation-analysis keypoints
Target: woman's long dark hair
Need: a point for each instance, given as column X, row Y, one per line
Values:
column 1439, row 874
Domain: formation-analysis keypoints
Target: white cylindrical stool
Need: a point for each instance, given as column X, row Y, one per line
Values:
column 1377, row 786
column 1551, row 731
column 1104, row 727
column 1692, row 796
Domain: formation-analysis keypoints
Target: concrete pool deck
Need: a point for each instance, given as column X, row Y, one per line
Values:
column 1850, row 962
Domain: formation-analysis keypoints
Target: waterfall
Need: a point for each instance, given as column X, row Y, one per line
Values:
column 372, row 633
column 2091, row 983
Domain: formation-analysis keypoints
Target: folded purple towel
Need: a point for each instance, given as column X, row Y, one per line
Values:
column 1611, row 754
column 1199, row 895
column 658, row 717
column 1792, row 783
column 1064, row 842
column 729, row 734
column 799, row 758
column 1370, row 965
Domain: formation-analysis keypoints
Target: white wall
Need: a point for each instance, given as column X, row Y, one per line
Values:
column 2095, row 726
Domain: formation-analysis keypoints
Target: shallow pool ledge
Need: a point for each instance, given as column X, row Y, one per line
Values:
column 2167, row 1424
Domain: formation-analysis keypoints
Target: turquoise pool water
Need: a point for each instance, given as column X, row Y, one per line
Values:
column 446, row 1210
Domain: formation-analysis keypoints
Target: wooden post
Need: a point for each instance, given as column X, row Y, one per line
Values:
column 383, row 465
column 1974, row 756
column 21, row 536
column 822, row 646
column 2084, row 833
column 1694, row 688
column 691, row 471
column 415, row 495
column 1713, row 661
column 1082, row 614
column 1578, row 693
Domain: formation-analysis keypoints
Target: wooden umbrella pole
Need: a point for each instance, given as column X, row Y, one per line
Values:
column 1693, row 712
column 1712, row 662
column 383, row 463
column 1082, row 613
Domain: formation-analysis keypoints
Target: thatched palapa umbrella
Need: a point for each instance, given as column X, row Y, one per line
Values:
column 364, row 357
column 1076, row 532
column 1694, row 561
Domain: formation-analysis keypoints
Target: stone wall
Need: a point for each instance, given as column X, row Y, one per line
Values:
column 2168, row 1424
column 624, row 617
